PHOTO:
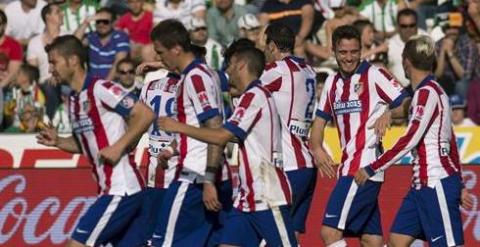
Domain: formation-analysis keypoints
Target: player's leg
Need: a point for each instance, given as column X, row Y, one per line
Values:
column 302, row 183
column 372, row 235
column 225, row 191
column 441, row 207
column 407, row 224
column 275, row 226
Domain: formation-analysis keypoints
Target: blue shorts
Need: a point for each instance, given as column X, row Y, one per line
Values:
column 303, row 183
column 110, row 217
column 248, row 229
column 433, row 214
column 225, row 196
column 183, row 219
column 354, row 209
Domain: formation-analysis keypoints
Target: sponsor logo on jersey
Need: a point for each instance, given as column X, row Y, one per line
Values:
column 344, row 107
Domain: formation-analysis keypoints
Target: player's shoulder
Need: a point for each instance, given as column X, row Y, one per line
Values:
column 278, row 67
column 103, row 87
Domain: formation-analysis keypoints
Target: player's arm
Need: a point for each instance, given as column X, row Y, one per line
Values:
column 424, row 110
column 324, row 162
column 48, row 136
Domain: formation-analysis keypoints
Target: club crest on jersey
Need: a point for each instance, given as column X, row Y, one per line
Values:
column 358, row 88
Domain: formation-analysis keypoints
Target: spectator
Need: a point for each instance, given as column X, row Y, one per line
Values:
column 473, row 20
column 198, row 35
column 75, row 12
column 222, row 20
column 382, row 13
column 182, row 10
column 126, row 76
column 24, row 19
column 249, row 27
column 295, row 14
column 52, row 16
column 407, row 27
column 61, row 120
column 106, row 45
column 27, row 99
column 459, row 105
column 138, row 24
column 371, row 50
column 457, row 57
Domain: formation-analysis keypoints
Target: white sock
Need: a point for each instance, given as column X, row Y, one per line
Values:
column 339, row 243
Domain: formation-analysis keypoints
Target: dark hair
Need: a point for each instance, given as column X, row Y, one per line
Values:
column 3, row 16
column 234, row 46
column 345, row 32
column 31, row 72
column 407, row 12
column 170, row 33
column 67, row 46
column 126, row 60
column 360, row 25
column 47, row 9
column 198, row 51
column 254, row 57
column 281, row 35
column 420, row 51
column 107, row 10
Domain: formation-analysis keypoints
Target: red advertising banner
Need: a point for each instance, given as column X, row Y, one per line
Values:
column 40, row 207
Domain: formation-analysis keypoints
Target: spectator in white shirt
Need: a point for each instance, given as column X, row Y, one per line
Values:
column 24, row 19
column 182, row 10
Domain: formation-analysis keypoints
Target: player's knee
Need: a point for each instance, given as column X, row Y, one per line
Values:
column 330, row 235
column 371, row 241
column 74, row 243
column 340, row 243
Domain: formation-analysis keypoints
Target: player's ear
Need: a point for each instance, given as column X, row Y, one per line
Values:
column 73, row 61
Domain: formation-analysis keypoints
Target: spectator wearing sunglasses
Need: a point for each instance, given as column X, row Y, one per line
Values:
column 106, row 46
column 199, row 36
column 126, row 76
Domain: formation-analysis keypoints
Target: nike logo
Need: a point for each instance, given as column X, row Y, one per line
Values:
column 437, row 238
column 330, row 215
column 81, row 231
column 157, row 236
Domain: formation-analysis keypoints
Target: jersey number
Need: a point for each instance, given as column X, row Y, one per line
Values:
column 156, row 104
column 311, row 97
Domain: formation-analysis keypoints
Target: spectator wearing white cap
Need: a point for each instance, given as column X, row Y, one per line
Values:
column 458, row 106
column 198, row 35
column 249, row 27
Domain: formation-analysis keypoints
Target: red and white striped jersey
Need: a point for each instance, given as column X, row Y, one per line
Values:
column 159, row 94
column 429, row 136
column 255, row 123
column 355, row 104
column 292, row 83
column 198, row 99
column 97, row 115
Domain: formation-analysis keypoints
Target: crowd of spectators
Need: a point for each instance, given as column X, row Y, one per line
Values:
column 116, row 34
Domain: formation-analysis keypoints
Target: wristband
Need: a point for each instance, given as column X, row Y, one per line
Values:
column 209, row 177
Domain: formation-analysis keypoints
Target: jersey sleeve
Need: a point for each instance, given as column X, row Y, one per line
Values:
column 115, row 98
column 324, row 105
column 272, row 80
column 244, row 117
column 202, row 92
column 388, row 88
column 424, row 110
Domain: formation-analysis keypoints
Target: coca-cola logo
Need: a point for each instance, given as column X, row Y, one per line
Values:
column 18, row 211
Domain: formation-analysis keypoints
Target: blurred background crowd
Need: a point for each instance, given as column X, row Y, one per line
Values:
column 117, row 36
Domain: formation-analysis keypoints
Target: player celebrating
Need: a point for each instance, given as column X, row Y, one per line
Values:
column 261, row 205
column 292, row 84
column 358, row 98
column 430, row 211
column 183, row 220
column 98, row 111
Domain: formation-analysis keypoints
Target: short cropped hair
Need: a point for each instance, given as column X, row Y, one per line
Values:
column 170, row 33
column 68, row 46
column 420, row 51
column 407, row 12
column 254, row 58
column 234, row 46
column 31, row 72
column 281, row 35
column 47, row 9
column 345, row 32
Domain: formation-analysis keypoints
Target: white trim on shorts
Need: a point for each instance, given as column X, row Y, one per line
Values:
column 174, row 213
column 102, row 223
column 282, row 230
column 347, row 205
column 442, row 202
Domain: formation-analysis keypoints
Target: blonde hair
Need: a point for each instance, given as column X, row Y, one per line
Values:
column 420, row 51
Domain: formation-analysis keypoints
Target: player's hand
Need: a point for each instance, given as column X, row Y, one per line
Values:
column 167, row 124
column 163, row 158
column 380, row 126
column 48, row 136
column 361, row 177
column 110, row 154
column 210, row 197
column 148, row 66
column 467, row 200
column 324, row 163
